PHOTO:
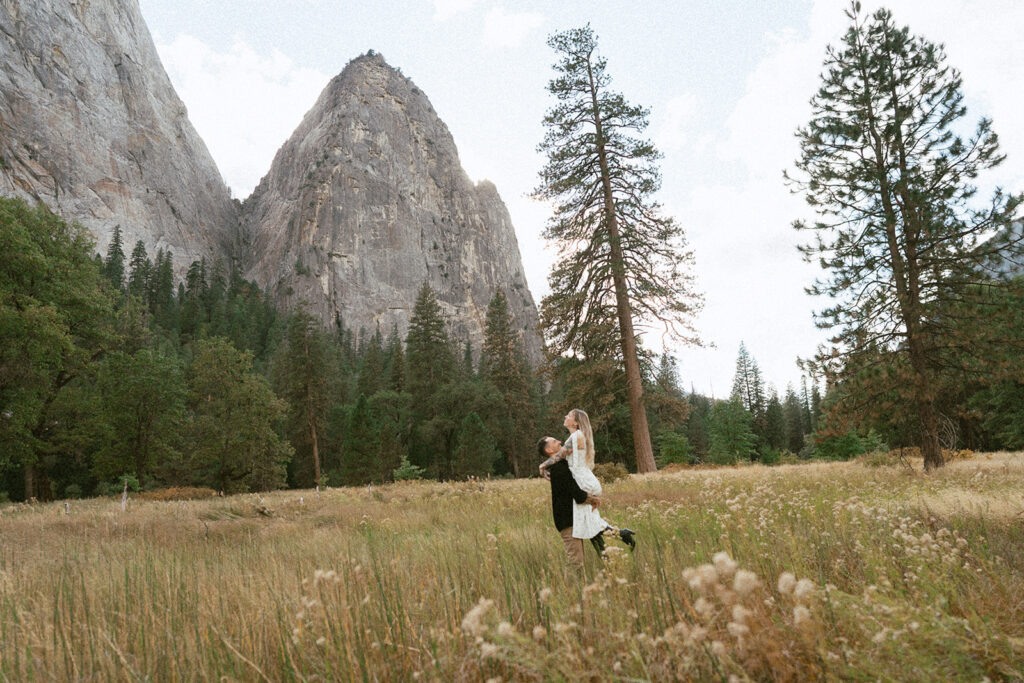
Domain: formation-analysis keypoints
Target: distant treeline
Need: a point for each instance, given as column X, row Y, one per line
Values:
column 110, row 372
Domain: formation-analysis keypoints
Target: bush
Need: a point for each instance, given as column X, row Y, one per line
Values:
column 770, row 456
column 178, row 493
column 406, row 471
column 72, row 491
column 607, row 472
column 843, row 447
column 673, row 447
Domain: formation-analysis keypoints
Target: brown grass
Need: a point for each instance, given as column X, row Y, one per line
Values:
column 826, row 570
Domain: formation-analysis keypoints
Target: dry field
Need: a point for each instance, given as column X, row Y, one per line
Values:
column 836, row 571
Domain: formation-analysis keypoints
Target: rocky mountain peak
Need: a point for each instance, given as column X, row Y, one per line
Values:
column 367, row 200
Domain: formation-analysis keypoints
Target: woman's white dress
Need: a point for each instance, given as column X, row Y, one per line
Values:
column 586, row 521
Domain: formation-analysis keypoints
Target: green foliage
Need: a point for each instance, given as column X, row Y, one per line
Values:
column 732, row 437
column 406, row 471
column 143, row 399
column 673, row 447
column 899, row 234
column 56, row 322
column 302, row 370
column 503, row 364
column 839, row 447
column 475, row 451
column 361, row 449
column 234, row 445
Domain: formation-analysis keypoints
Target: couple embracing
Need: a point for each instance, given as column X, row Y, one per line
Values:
column 575, row 491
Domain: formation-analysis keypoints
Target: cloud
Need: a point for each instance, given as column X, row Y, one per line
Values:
column 243, row 104
column 509, row 29
column 674, row 123
column 446, row 9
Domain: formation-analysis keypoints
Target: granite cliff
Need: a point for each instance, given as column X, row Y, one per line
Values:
column 363, row 204
column 367, row 200
column 91, row 125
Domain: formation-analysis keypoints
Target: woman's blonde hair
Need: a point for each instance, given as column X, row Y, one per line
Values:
column 583, row 423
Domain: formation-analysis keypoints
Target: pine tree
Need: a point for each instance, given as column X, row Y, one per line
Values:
column 360, row 459
column 793, row 413
column 113, row 266
column 140, row 271
column 748, row 386
column 622, row 261
column 474, row 449
column 371, row 366
column 302, row 372
column 730, row 430
column 898, row 236
column 395, row 362
column 503, row 364
column 775, row 422
column 427, row 347
column 430, row 368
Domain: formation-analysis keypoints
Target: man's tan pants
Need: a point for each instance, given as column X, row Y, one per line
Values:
column 573, row 549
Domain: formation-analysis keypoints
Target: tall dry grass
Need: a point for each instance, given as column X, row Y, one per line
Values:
column 835, row 571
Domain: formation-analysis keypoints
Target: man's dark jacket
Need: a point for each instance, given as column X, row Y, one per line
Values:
column 564, row 490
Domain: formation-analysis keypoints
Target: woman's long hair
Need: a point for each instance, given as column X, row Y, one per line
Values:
column 583, row 422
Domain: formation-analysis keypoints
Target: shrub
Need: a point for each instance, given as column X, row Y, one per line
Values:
column 607, row 472
column 673, row 447
column 72, row 491
column 406, row 471
column 770, row 456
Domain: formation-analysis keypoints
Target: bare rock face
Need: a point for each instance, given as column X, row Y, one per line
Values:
column 367, row 201
column 90, row 125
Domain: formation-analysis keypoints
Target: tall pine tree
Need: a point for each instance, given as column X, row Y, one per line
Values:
column 898, row 235
column 622, row 260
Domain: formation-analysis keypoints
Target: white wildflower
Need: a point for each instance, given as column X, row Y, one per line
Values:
column 740, row 614
column 544, row 594
column 801, row 616
column 718, row 648
column 737, row 630
column 471, row 623
column 488, row 650
column 703, row 607
column 786, row 583
column 804, row 589
column 539, row 632
column 745, row 582
column 725, row 565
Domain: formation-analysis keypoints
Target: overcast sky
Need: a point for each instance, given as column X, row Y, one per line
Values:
column 727, row 82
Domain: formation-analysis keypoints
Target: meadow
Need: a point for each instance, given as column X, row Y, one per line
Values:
column 794, row 572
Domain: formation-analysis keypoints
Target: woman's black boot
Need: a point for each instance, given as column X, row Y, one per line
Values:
column 628, row 537
column 598, row 542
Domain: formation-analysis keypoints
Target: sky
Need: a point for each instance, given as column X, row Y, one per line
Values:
column 727, row 83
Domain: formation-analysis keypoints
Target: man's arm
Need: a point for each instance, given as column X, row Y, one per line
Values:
column 564, row 481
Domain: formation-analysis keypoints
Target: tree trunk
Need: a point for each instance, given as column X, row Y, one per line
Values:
column 634, row 385
column 907, row 291
column 30, row 483
column 311, row 418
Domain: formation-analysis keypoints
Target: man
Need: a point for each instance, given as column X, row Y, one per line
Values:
column 565, row 490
